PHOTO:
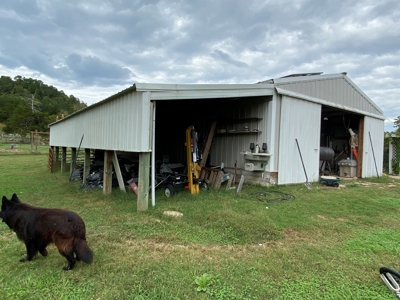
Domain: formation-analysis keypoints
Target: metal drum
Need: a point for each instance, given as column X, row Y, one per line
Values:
column 326, row 153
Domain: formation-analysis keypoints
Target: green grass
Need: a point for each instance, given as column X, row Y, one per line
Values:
column 21, row 148
column 323, row 244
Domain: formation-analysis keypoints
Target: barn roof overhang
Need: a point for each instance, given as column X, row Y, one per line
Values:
column 187, row 92
column 282, row 91
column 204, row 91
column 319, row 76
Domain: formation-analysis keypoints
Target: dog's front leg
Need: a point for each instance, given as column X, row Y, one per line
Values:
column 31, row 251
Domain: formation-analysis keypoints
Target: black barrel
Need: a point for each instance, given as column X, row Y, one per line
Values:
column 326, row 153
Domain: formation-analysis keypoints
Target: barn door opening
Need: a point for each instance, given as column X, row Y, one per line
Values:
column 342, row 134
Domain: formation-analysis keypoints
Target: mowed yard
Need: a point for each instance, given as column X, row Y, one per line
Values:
column 285, row 242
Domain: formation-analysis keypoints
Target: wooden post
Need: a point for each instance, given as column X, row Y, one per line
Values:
column 31, row 141
column 36, row 141
column 208, row 144
column 118, row 172
column 218, row 179
column 229, row 184
column 63, row 159
column 51, row 152
column 239, row 189
column 107, row 176
column 86, row 165
column 57, row 157
column 143, row 183
column 73, row 161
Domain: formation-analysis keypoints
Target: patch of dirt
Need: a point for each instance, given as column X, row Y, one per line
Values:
column 291, row 233
column 8, row 236
column 10, row 150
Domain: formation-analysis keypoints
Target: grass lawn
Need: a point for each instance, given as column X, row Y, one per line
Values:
column 285, row 242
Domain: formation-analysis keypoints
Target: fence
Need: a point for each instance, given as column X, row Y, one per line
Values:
column 392, row 154
column 38, row 138
column 14, row 139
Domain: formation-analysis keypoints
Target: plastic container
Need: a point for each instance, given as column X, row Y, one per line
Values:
column 347, row 168
column 329, row 181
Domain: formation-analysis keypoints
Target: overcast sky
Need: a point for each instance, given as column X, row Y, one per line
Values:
column 94, row 49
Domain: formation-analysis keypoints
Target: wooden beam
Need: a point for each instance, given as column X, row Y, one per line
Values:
column 107, row 176
column 229, row 184
column 63, row 159
column 51, row 160
column 208, row 144
column 218, row 179
column 239, row 189
column 57, row 155
column 143, row 183
column 73, row 161
column 117, row 170
column 86, row 165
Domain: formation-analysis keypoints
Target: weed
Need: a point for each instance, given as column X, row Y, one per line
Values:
column 323, row 244
column 204, row 282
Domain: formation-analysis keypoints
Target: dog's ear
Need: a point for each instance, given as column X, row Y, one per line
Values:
column 4, row 202
column 15, row 198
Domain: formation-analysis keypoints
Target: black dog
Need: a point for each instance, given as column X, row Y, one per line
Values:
column 38, row 227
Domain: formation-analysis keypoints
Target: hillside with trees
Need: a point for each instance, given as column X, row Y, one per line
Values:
column 28, row 104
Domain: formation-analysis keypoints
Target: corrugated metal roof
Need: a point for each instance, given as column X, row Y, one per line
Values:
column 186, row 91
column 335, row 89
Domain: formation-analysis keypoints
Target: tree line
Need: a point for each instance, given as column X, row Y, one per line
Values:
column 28, row 104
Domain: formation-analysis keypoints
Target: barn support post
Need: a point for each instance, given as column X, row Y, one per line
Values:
column 108, row 168
column 63, row 159
column 86, row 165
column 117, row 170
column 57, row 155
column 51, row 158
column 73, row 161
column 143, row 183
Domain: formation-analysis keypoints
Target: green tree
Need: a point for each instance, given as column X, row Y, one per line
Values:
column 397, row 125
column 44, row 103
column 22, row 121
column 8, row 103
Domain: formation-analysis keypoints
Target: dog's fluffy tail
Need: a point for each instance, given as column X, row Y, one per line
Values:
column 83, row 252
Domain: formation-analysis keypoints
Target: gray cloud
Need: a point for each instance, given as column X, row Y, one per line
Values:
column 91, row 69
column 83, row 44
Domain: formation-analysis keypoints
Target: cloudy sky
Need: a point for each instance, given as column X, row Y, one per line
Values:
column 93, row 49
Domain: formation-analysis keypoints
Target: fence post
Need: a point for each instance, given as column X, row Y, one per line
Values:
column 37, row 140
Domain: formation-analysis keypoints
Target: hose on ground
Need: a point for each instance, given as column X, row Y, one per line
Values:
column 271, row 196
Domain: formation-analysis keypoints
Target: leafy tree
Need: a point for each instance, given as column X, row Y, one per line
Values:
column 27, row 104
column 22, row 121
column 8, row 103
column 397, row 125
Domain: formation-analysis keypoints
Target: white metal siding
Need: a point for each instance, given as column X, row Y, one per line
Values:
column 299, row 119
column 226, row 148
column 122, row 124
column 336, row 90
column 374, row 128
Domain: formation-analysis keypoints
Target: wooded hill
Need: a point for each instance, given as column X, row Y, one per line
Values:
column 28, row 104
